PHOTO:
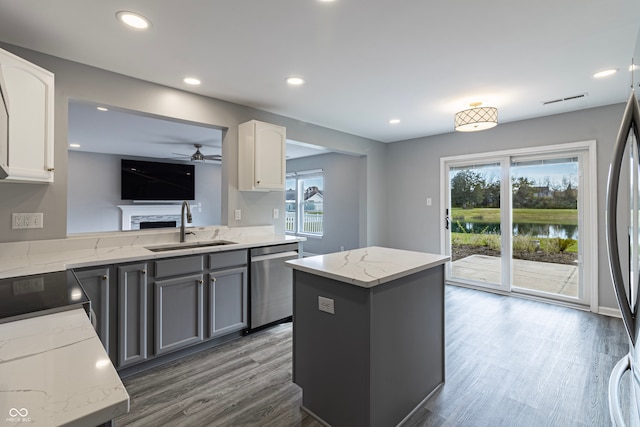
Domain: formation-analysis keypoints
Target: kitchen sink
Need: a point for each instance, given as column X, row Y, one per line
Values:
column 179, row 246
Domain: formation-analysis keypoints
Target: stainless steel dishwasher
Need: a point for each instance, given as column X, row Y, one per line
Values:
column 271, row 291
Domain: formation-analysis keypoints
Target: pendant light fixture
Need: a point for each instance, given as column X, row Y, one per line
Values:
column 476, row 118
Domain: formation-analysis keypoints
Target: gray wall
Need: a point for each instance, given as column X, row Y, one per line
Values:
column 84, row 83
column 94, row 193
column 414, row 174
column 340, row 202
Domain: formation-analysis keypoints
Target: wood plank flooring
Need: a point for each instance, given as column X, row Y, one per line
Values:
column 509, row 362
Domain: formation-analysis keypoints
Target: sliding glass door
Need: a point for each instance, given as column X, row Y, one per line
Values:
column 545, row 214
column 513, row 222
column 476, row 222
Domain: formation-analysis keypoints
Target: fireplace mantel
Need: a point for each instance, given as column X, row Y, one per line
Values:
column 132, row 214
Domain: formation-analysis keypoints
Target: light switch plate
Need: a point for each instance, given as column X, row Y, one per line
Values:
column 276, row 213
column 326, row 305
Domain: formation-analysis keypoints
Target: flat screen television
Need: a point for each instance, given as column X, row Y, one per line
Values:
column 142, row 180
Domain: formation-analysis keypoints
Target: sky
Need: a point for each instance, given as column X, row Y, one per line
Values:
column 555, row 172
column 538, row 171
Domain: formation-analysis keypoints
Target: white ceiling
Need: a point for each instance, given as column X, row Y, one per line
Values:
column 364, row 61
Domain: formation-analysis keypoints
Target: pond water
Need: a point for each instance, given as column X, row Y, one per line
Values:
column 519, row 229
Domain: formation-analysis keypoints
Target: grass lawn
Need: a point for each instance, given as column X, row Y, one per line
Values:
column 532, row 216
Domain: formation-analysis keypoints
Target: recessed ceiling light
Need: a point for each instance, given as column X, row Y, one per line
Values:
column 133, row 20
column 295, row 81
column 394, row 121
column 605, row 73
column 102, row 108
column 74, row 145
column 191, row 81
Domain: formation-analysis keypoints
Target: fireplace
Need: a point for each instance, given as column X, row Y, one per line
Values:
column 164, row 215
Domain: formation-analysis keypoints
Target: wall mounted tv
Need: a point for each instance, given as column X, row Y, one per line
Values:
column 141, row 180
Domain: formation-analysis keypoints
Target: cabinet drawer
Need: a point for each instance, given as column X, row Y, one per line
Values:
column 176, row 266
column 227, row 259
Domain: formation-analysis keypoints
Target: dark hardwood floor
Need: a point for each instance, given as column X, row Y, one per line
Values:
column 509, row 362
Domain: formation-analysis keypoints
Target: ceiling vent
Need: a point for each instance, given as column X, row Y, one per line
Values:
column 568, row 98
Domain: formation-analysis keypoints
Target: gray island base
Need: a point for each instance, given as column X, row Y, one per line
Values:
column 368, row 334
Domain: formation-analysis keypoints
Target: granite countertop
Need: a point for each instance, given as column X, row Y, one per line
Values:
column 87, row 250
column 54, row 370
column 368, row 267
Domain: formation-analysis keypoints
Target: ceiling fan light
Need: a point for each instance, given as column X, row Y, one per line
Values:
column 475, row 119
column 197, row 156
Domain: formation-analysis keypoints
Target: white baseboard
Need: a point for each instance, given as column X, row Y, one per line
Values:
column 608, row 311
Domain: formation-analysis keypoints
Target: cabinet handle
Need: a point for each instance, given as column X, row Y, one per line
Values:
column 49, row 169
column 104, row 277
column 143, row 271
column 200, row 281
column 213, row 279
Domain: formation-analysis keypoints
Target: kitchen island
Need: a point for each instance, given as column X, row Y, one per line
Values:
column 368, row 334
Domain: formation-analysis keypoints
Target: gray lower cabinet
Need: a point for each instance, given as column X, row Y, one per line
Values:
column 95, row 282
column 178, row 312
column 132, row 314
column 227, row 301
column 146, row 309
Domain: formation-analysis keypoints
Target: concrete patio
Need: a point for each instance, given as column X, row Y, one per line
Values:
column 558, row 279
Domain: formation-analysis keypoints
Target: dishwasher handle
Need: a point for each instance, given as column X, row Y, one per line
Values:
column 278, row 255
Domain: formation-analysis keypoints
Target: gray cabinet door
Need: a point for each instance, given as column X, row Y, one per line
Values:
column 132, row 314
column 227, row 301
column 178, row 312
column 95, row 282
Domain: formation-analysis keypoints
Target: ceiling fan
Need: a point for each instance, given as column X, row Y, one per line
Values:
column 199, row 157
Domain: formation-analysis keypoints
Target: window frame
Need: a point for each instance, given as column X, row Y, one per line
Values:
column 299, row 224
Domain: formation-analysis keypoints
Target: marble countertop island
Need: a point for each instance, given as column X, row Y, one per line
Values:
column 55, row 371
column 368, row 267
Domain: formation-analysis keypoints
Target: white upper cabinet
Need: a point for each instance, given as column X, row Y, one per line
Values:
column 261, row 156
column 26, row 149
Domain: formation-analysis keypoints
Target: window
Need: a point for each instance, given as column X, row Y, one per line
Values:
column 304, row 203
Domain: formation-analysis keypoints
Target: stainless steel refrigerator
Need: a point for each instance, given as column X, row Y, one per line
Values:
column 623, row 241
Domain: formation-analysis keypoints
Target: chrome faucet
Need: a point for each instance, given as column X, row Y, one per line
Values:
column 189, row 219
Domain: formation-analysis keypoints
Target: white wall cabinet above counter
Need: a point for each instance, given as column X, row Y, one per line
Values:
column 26, row 120
column 261, row 156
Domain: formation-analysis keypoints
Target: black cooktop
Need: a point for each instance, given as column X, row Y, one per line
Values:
column 28, row 296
